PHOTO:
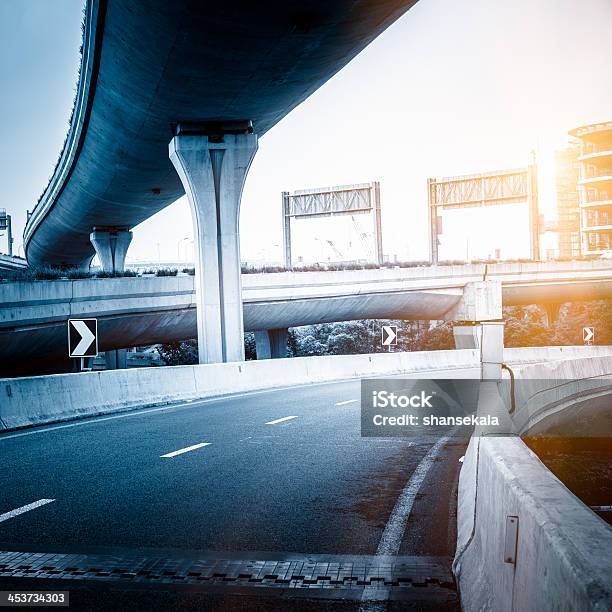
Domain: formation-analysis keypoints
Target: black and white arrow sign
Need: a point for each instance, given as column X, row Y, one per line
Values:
column 389, row 335
column 82, row 337
column 588, row 335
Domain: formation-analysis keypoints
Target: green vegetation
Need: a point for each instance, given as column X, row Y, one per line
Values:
column 50, row 273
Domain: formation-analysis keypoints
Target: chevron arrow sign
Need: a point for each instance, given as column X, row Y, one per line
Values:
column 82, row 337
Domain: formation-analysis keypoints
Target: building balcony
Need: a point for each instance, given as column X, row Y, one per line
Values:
column 597, row 228
column 596, row 204
column 599, row 158
column 597, row 134
column 603, row 181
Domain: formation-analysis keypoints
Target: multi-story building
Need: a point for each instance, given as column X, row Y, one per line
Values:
column 567, row 174
column 595, row 187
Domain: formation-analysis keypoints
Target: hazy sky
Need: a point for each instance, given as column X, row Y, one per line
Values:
column 451, row 88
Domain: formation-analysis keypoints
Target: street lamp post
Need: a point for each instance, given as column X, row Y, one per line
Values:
column 178, row 247
column 5, row 224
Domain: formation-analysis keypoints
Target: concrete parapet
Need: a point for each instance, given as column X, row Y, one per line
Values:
column 44, row 399
column 559, row 558
column 540, row 354
column 572, row 393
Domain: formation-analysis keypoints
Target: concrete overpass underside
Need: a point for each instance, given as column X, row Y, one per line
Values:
column 148, row 66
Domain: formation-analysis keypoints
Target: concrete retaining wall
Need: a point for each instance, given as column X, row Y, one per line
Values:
column 27, row 401
column 542, row 354
column 563, row 559
column 45, row 399
column 557, row 392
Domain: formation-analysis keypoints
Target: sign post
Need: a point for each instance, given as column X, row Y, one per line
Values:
column 5, row 224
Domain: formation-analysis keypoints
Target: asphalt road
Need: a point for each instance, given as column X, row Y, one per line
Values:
column 255, row 481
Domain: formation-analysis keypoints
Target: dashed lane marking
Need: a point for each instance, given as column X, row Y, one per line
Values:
column 287, row 418
column 185, row 450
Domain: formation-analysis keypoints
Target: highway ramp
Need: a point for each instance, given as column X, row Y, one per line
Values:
column 271, row 474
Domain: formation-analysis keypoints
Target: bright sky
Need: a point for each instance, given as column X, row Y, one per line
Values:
column 451, row 88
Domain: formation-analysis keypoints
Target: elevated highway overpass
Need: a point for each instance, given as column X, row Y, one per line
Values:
column 147, row 310
column 150, row 65
column 190, row 85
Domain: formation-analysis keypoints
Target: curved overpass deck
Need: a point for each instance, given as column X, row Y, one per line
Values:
column 148, row 65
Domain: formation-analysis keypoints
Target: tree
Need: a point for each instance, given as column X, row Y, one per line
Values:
column 574, row 316
column 185, row 352
column 526, row 326
column 180, row 352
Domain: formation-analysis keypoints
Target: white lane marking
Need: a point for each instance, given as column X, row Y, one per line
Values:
column 185, row 450
column 37, row 504
column 89, row 421
column 394, row 531
column 281, row 420
column 396, row 525
column 346, row 402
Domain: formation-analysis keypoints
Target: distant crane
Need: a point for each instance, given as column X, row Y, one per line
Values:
column 366, row 243
column 335, row 250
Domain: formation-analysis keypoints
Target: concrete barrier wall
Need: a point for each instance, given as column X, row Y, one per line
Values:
column 45, row 399
column 555, row 391
column 542, row 354
column 563, row 559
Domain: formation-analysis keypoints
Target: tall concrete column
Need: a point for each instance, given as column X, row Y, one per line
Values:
column 488, row 338
column 479, row 325
column 212, row 162
column 111, row 246
column 552, row 313
column 271, row 344
column 116, row 359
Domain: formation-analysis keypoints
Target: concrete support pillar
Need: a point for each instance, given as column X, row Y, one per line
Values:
column 271, row 344
column 479, row 325
column 467, row 335
column 116, row 359
column 212, row 162
column 552, row 313
column 111, row 246
column 481, row 301
column 492, row 349
column 488, row 338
